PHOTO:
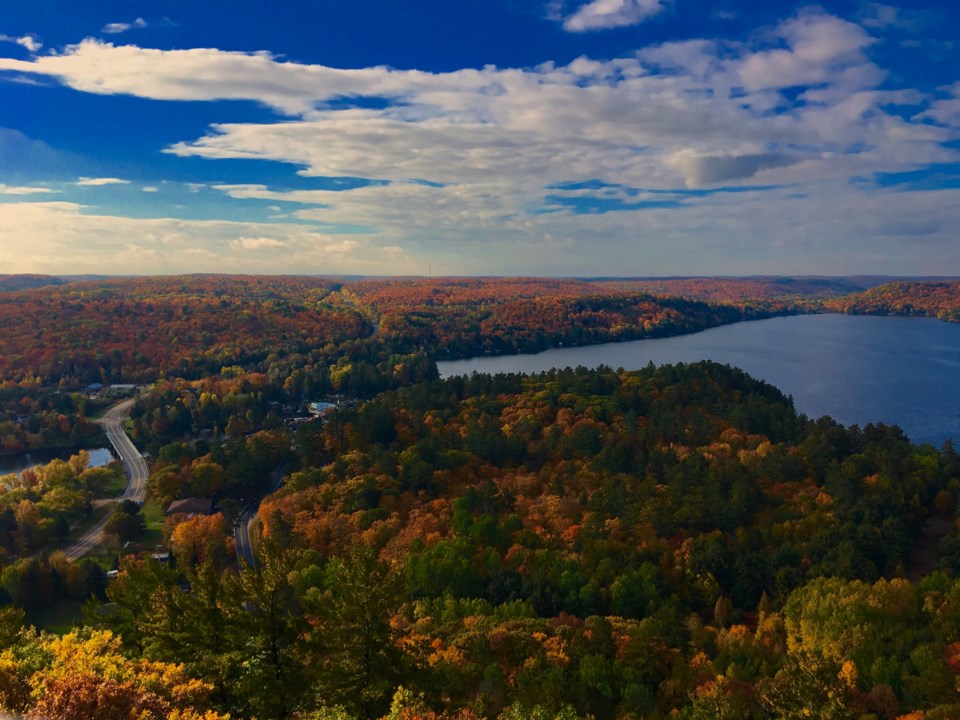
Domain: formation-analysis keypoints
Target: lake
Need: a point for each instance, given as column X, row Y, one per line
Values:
column 856, row 369
column 21, row 461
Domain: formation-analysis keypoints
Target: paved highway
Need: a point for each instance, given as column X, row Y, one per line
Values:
column 241, row 533
column 133, row 463
column 241, row 529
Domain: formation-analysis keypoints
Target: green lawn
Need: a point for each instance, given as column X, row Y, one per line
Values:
column 59, row 618
column 153, row 514
column 117, row 484
column 106, row 555
column 154, row 517
column 95, row 412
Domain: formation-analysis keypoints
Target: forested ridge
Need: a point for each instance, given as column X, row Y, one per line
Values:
column 923, row 299
column 135, row 330
column 674, row 542
column 24, row 282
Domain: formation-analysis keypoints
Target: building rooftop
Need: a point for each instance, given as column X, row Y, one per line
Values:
column 191, row 506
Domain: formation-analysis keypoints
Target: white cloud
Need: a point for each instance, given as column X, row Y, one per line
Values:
column 820, row 48
column 945, row 111
column 704, row 170
column 606, row 14
column 878, row 15
column 342, row 246
column 120, row 27
column 149, row 189
column 466, row 230
column 209, row 74
column 97, row 182
column 799, row 104
column 31, row 43
column 200, row 254
column 257, row 243
column 69, row 238
column 751, row 232
column 134, row 255
column 22, row 190
column 405, row 208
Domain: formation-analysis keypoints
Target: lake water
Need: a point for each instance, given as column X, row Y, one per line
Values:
column 857, row 369
column 21, row 461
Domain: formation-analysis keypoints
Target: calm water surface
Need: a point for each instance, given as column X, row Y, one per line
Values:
column 902, row 371
column 21, row 461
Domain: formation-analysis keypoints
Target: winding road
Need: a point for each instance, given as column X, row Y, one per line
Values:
column 241, row 529
column 134, row 465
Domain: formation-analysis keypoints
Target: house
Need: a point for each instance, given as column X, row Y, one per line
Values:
column 190, row 507
column 321, row 408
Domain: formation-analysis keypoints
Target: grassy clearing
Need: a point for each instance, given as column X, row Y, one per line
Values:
column 95, row 412
column 97, row 408
column 58, row 618
column 118, row 481
column 153, row 514
column 105, row 557
column 107, row 554
column 149, row 541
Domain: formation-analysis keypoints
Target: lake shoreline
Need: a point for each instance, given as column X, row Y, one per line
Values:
column 655, row 335
column 857, row 369
column 12, row 464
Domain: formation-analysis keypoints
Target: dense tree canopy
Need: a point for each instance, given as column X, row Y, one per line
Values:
column 671, row 542
column 925, row 299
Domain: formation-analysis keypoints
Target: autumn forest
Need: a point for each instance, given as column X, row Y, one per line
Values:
column 670, row 542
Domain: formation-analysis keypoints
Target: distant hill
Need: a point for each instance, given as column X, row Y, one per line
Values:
column 194, row 325
column 738, row 289
column 924, row 299
column 90, row 277
column 11, row 283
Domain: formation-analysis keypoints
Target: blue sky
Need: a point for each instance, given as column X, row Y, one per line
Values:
column 534, row 137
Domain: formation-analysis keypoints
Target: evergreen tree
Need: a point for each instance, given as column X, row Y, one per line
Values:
column 199, row 627
column 362, row 664
column 270, row 620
